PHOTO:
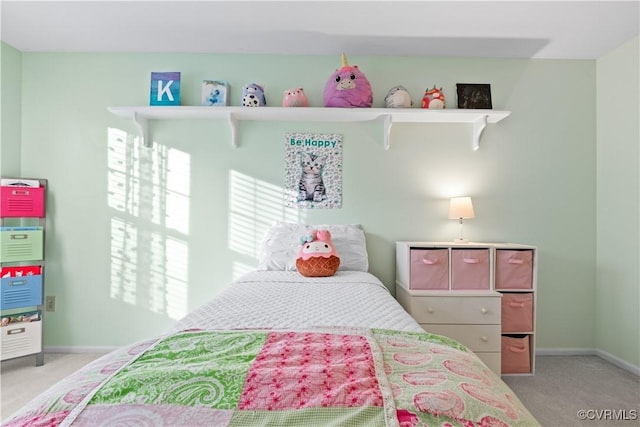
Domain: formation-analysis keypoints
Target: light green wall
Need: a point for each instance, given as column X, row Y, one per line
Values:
column 10, row 114
column 618, row 214
column 533, row 181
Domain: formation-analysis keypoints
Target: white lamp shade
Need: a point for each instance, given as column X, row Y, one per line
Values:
column 461, row 207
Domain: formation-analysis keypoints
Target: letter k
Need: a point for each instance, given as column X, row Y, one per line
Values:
column 163, row 90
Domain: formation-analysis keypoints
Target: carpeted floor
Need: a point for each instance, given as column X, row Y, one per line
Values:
column 562, row 386
column 21, row 380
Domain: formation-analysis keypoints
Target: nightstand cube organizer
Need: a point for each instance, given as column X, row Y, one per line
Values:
column 481, row 294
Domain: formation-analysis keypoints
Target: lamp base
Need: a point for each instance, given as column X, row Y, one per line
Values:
column 460, row 240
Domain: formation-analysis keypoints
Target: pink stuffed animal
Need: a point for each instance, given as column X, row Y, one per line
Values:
column 295, row 97
column 348, row 87
column 317, row 256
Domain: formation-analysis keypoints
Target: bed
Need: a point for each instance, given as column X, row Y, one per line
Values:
column 276, row 348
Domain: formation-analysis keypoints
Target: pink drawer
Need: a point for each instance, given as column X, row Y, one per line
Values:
column 429, row 269
column 470, row 269
column 22, row 202
column 516, row 354
column 514, row 269
column 517, row 312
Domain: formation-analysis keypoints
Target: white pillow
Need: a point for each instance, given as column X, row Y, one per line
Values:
column 280, row 247
column 282, row 241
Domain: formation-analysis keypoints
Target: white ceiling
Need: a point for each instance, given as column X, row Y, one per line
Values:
column 501, row 29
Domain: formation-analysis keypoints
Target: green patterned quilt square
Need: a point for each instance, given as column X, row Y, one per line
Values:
column 190, row 368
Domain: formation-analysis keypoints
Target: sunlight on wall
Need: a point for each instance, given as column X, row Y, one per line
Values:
column 239, row 269
column 148, row 191
column 123, row 261
column 254, row 206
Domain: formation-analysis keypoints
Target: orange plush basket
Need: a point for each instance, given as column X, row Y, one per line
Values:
column 318, row 266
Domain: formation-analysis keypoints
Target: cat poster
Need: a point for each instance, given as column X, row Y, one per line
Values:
column 313, row 175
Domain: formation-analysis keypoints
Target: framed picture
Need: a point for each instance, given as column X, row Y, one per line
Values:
column 215, row 93
column 313, row 174
column 474, row 95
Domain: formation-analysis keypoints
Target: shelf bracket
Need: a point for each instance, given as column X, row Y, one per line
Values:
column 143, row 128
column 233, row 123
column 478, row 126
column 386, row 123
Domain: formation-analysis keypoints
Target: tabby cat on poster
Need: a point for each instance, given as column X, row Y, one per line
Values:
column 311, row 186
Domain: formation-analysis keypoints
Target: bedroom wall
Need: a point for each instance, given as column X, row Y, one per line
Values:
column 10, row 111
column 122, row 269
column 618, row 213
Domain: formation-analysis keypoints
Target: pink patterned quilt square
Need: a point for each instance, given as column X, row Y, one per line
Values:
column 305, row 370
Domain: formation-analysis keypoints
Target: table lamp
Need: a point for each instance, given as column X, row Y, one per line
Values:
column 461, row 208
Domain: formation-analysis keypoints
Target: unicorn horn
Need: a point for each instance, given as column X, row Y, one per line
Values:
column 344, row 60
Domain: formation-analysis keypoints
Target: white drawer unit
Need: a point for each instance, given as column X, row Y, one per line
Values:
column 481, row 294
column 463, row 307
column 19, row 339
column 479, row 338
column 470, row 317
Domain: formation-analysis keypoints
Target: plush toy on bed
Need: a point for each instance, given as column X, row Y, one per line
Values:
column 348, row 87
column 317, row 256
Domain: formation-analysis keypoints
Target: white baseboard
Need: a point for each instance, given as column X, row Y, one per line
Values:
column 589, row 352
column 78, row 349
column 565, row 351
column 618, row 362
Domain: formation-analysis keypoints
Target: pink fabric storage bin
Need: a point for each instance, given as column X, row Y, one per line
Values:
column 470, row 269
column 516, row 354
column 22, row 202
column 517, row 312
column 429, row 269
column 514, row 269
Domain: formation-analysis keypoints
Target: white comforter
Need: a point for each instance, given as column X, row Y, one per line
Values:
column 285, row 299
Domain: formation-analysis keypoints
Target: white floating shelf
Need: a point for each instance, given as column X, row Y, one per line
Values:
column 388, row 116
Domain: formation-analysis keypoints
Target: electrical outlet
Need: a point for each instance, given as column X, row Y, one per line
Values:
column 50, row 303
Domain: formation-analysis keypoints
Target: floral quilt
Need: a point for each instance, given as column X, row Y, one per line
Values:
column 271, row 377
